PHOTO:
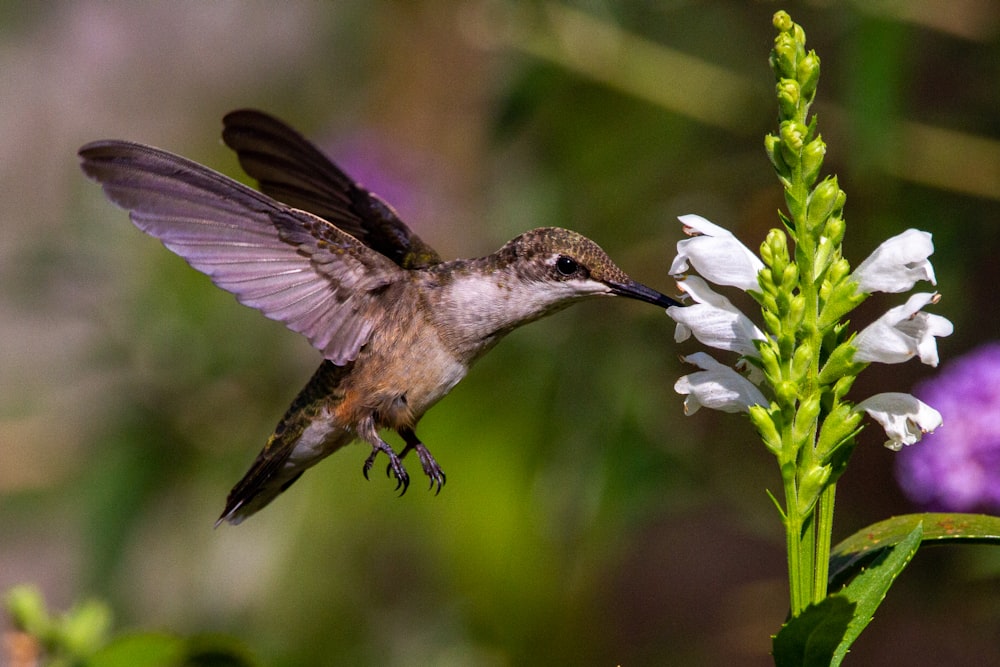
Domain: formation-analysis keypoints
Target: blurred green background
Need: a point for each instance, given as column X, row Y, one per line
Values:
column 585, row 519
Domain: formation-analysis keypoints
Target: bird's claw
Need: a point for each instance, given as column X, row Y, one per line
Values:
column 395, row 467
column 431, row 468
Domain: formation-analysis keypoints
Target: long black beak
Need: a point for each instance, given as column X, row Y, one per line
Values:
column 634, row 290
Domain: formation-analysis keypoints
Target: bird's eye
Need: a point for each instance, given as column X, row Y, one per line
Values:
column 567, row 266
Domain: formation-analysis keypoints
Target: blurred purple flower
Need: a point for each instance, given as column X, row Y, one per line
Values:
column 375, row 165
column 957, row 468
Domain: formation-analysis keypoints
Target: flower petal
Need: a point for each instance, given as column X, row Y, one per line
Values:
column 903, row 332
column 713, row 320
column 897, row 264
column 717, row 386
column 905, row 418
column 716, row 254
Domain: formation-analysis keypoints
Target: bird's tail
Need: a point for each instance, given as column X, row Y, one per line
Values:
column 304, row 436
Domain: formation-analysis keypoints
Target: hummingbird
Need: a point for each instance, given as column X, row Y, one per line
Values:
column 398, row 327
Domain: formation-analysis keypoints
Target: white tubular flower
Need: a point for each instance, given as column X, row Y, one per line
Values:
column 897, row 264
column 713, row 320
column 905, row 418
column 716, row 254
column 717, row 386
column 903, row 332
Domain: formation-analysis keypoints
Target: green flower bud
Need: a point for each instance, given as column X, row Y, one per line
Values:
column 793, row 135
column 779, row 242
column 782, row 298
column 834, row 229
column 812, row 160
column 824, row 252
column 807, row 73
column 776, row 246
column 766, row 281
column 838, row 427
column 765, row 253
column 839, row 269
column 800, row 37
column 796, row 310
column 772, row 144
column 821, row 203
column 783, row 55
column 771, row 321
column 842, row 386
column 805, row 418
column 788, row 97
column 761, row 418
column 790, row 277
column 802, row 361
column 840, row 298
column 838, row 206
column 786, row 392
column 825, row 289
column 782, row 21
column 811, row 484
column 769, row 362
column 840, row 364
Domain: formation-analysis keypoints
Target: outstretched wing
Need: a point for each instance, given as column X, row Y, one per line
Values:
column 292, row 170
column 292, row 266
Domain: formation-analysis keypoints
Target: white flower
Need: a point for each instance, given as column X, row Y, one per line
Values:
column 716, row 254
column 717, row 386
column 713, row 320
column 903, row 332
column 905, row 418
column 897, row 264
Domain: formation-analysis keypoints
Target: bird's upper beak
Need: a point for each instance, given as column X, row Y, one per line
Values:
column 634, row 290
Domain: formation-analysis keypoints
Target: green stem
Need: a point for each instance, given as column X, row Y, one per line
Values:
column 807, row 547
column 793, row 541
column 824, row 528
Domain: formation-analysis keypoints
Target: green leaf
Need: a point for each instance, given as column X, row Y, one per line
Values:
column 823, row 632
column 867, row 590
column 812, row 637
column 848, row 557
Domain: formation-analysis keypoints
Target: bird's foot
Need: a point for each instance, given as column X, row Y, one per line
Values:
column 395, row 466
column 431, row 468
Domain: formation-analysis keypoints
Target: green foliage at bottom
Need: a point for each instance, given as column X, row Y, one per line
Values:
column 824, row 632
column 81, row 637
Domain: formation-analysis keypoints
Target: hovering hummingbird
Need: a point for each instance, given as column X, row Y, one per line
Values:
column 398, row 326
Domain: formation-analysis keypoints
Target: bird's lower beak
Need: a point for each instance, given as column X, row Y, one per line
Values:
column 634, row 290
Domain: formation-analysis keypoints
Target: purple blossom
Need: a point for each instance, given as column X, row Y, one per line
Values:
column 957, row 468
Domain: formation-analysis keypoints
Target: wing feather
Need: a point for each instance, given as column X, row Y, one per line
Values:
column 290, row 264
column 292, row 170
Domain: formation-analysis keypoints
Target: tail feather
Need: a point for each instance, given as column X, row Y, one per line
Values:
column 303, row 437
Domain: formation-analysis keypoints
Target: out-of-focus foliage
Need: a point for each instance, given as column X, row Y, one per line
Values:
column 585, row 520
column 80, row 637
